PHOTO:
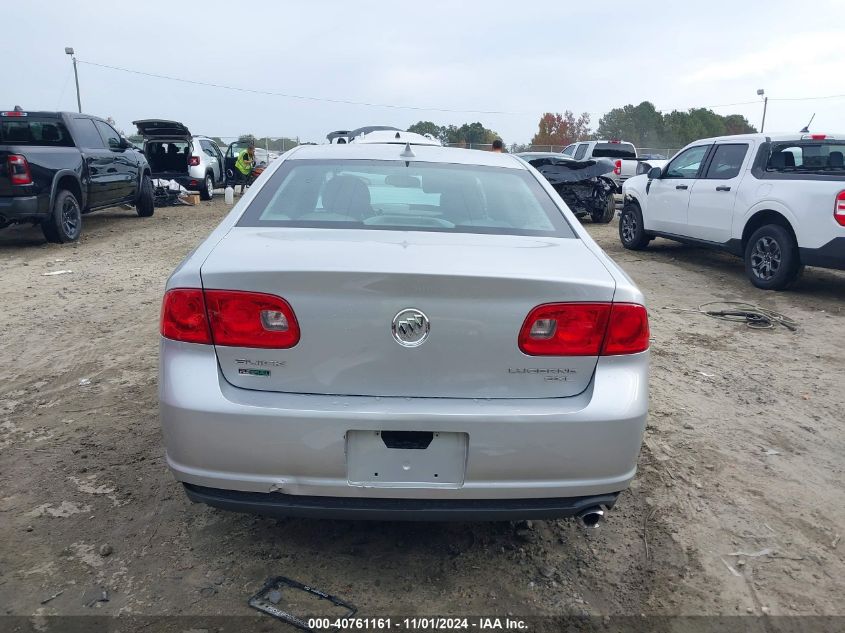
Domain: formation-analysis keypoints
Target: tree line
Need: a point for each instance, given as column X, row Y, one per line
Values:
column 643, row 125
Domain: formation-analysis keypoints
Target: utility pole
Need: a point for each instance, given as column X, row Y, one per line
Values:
column 69, row 51
column 762, row 93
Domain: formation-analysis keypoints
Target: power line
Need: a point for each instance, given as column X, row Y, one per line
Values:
column 403, row 107
column 806, row 98
column 300, row 97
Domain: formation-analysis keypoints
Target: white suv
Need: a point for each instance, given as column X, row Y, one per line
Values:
column 777, row 201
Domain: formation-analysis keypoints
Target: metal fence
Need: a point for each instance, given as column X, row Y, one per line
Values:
column 291, row 141
column 518, row 147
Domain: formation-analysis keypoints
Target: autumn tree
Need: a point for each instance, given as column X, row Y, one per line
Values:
column 562, row 129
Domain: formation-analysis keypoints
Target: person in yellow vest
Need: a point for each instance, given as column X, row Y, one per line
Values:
column 245, row 164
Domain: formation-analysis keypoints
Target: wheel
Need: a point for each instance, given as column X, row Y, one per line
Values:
column 631, row 231
column 145, row 206
column 65, row 221
column 207, row 189
column 605, row 216
column 771, row 258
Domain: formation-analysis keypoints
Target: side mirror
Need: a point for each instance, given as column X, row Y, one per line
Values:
column 655, row 172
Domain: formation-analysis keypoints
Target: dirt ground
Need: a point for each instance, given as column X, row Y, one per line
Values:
column 737, row 509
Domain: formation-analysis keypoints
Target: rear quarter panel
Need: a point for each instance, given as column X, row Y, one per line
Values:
column 807, row 205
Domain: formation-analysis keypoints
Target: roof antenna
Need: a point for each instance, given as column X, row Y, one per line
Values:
column 408, row 152
column 806, row 128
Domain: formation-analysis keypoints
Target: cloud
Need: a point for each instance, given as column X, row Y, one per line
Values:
column 786, row 55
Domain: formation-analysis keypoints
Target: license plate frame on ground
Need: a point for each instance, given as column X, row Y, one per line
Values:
column 370, row 462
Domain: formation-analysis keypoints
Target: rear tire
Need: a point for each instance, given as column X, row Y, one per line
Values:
column 607, row 214
column 631, row 230
column 772, row 261
column 145, row 206
column 65, row 221
column 207, row 189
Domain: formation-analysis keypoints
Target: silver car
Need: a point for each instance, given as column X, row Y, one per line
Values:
column 195, row 162
column 401, row 332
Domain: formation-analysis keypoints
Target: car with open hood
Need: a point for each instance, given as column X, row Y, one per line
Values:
column 585, row 185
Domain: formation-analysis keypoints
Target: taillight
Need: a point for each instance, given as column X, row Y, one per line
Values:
column 839, row 208
column 585, row 329
column 251, row 319
column 18, row 170
column 627, row 332
column 14, row 113
column 183, row 316
column 231, row 318
column 618, row 169
column 194, row 161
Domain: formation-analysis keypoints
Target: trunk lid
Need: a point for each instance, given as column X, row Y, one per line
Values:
column 156, row 129
column 346, row 287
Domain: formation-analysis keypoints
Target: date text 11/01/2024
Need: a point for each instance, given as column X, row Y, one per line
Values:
column 418, row 623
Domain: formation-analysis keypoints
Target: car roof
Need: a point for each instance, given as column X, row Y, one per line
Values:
column 394, row 137
column 422, row 153
column 543, row 155
column 794, row 136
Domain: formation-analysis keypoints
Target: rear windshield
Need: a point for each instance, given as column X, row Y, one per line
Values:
column 29, row 131
column 807, row 157
column 395, row 195
column 614, row 150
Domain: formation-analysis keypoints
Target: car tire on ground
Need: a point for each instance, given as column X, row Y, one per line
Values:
column 65, row 221
column 145, row 206
column 606, row 215
column 207, row 188
column 772, row 261
column 632, row 234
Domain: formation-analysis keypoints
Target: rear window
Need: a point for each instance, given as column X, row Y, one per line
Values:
column 614, row 150
column 395, row 195
column 807, row 157
column 28, row 131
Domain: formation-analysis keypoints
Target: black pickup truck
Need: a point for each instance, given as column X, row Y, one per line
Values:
column 57, row 166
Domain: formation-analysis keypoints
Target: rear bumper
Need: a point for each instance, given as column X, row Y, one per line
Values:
column 187, row 181
column 831, row 255
column 22, row 209
column 227, row 438
column 275, row 504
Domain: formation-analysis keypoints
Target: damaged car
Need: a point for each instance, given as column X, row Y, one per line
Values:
column 584, row 185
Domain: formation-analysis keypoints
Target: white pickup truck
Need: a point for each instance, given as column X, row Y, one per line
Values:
column 622, row 153
column 776, row 201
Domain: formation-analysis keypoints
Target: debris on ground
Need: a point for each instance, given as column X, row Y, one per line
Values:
column 56, row 272
column 271, row 594
column 53, row 597
column 753, row 316
column 102, row 596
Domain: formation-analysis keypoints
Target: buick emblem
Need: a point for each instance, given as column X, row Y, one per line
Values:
column 410, row 327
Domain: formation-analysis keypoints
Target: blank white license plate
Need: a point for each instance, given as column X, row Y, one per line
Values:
column 402, row 459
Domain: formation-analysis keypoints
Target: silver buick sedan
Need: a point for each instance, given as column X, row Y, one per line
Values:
column 384, row 331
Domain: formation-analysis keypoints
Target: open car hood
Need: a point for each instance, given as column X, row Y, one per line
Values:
column 562, row 170
column 159, row 128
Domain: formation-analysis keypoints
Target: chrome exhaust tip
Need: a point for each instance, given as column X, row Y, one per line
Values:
column 591, row 518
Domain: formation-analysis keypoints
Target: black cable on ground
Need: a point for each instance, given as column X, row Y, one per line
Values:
column 753, row 316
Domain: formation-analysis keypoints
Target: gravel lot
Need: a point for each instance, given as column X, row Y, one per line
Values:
column 738, row 507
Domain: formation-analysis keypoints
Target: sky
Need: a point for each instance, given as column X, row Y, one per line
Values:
column 500, row 63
